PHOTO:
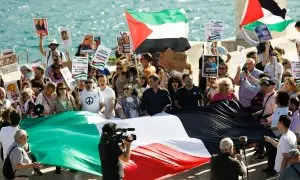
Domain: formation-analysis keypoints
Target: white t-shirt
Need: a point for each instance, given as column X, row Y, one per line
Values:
column 49, row 61
column 90, row 100
column 131, row 106
column 278, row 112
column 286, row 142
column 272, row 69
column 7, row 138
column 109, row 95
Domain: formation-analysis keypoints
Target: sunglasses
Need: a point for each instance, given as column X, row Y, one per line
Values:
column 119, row 68
column 88, row 82
column 127, row 89
column 284, row 63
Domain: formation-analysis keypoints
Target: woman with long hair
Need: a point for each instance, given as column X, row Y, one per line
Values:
column 225, row 90
column 63, row 101
column 174, row 84
column 119, row 80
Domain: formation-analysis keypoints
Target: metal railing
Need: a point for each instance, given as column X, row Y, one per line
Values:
column 26, row 52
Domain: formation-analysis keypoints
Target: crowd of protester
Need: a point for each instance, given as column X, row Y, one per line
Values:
column 267, row 91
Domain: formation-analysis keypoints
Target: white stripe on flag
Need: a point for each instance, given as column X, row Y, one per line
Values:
column 169, row 30
column 269, row 18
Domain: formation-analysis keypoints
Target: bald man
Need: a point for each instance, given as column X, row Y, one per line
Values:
column 242, row 78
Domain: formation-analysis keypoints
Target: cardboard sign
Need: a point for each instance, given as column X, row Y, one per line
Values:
column 68, row 78
column 87, row 44
column 262, row 32
column 8, row 64
column 41, row 26
column 124, row 43
column 210, row 66
column 80, row 68
column 65, row 36
column 296, row 69
column 214, row 30
column 101, row 57
column 173, row 60
column 12, row 91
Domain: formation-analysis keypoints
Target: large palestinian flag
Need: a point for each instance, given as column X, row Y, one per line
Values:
column 155, row 31
column 71, row 139
column 258, row 12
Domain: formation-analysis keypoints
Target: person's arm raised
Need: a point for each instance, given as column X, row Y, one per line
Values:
column 42, row 50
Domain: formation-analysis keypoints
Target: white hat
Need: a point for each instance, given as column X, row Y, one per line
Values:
column 53, row 41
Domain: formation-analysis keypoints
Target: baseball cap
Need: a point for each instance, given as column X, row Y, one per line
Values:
column 293, row 153
column 267, row 81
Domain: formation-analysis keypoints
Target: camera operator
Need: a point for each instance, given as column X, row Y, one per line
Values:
column 111, row 151
column 224, row 166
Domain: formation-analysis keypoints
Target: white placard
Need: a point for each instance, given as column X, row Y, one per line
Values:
column 68, row 78
column 241, row 50
column 80, row 68
column 65, row 36
column 101, row 57
column 214, row 30
column 296, row 69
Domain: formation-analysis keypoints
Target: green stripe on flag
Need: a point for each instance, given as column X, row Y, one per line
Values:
column 279, row 27
column 158, row 18
column 68, row 141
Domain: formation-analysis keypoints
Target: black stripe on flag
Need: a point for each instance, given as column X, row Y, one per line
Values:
column 159, row 45
column 273, row 7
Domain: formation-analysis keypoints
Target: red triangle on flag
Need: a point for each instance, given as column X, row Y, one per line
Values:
column 252, row 12
column 138, row 31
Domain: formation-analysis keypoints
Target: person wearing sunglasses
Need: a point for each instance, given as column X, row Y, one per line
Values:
column 90, row 99
column 119, row 80
column 274, row 68
column 128, row 105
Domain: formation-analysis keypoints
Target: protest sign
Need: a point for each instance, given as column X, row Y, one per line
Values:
column 80, row 68
column 101, row 56
column 87, row 44
column 41, row 26
column 124, row 43
column 173, row 60
column 8, row 64
column 12, row 90
column 7, row 52
column 241, row 50
column 296, row 69
column 214, row 30
column 210, row 66
column 262, row 32
column 65, row 36
column 68, row 78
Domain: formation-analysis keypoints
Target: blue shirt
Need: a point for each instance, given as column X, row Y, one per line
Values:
column 247, row 94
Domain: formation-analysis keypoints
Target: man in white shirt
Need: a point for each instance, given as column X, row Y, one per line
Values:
column 48, row 53
column 274, row 69
column 90, row 99
column 7, row 133
column 109, row 97
column 286, row 142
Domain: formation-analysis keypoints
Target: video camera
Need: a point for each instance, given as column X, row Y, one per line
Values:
column 122, row 135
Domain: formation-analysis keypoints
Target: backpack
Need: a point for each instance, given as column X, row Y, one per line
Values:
column 8, row 171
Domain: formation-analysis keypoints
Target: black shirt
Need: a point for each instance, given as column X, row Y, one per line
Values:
column 189, row 98
column 112, row 168
column 259, row 66
column 224, row 167
column 155, row 102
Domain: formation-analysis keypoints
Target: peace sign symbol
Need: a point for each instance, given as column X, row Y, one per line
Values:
column 89, row 100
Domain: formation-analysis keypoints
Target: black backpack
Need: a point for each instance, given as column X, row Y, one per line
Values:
column 8, row 171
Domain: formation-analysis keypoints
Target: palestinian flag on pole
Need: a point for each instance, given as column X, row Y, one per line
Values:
column 163, row 147
column 258, row 12
column 155, row 31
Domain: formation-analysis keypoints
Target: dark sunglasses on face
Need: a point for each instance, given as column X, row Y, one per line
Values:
column 284, row 63
column 119, row 68
column 127, row 89
column 88, row 82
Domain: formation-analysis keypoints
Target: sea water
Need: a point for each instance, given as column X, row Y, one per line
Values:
column 105, row 18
